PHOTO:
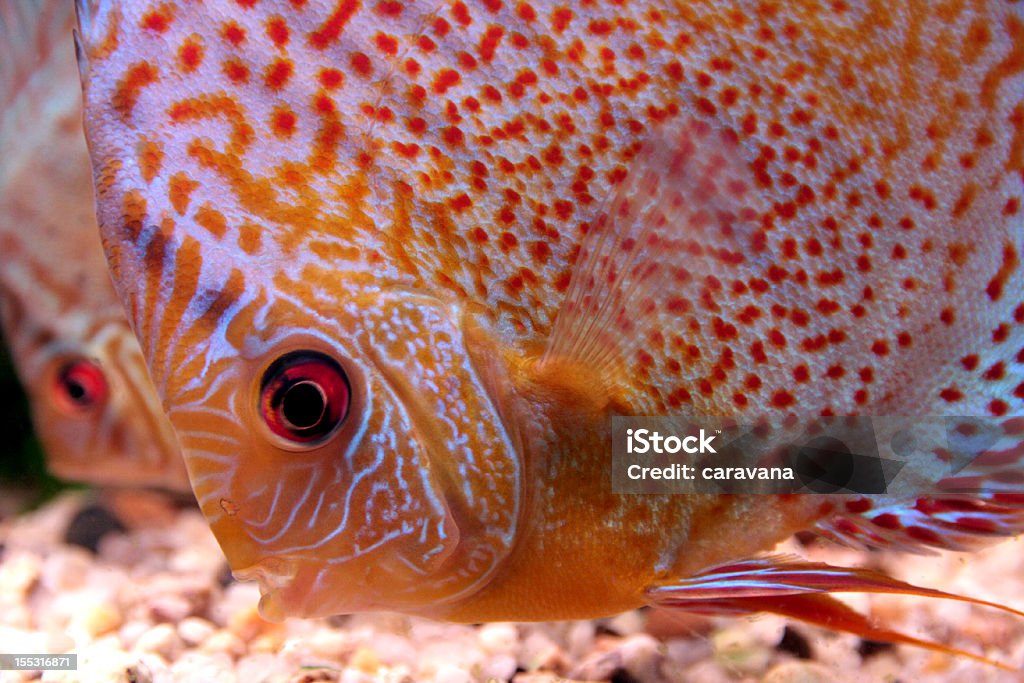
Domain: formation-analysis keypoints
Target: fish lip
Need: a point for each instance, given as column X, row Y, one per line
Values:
column 272, row 573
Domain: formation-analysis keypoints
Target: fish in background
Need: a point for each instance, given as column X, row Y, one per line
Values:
column 394, row 266
column 93, row 404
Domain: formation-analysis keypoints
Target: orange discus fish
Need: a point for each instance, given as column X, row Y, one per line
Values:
column 395, row 266
column 93, row 404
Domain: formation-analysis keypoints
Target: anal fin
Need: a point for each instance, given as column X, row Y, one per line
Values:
column 798, row 589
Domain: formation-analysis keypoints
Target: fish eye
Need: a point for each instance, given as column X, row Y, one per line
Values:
column 80, row 385
column 304, row 397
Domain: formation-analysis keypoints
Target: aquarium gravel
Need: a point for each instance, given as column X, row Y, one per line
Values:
column 156, row 602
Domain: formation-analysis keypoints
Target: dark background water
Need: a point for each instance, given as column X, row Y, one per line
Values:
column 22, row 464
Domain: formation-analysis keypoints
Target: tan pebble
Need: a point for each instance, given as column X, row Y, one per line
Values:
column 540, row 652
column 223, row 641
column 99, row 619
column 740, row 649
column 686, row 652
column 247, row 623
column 627, row 623
column 499, row 638
column 194, row 630
column 161, row 639
column 581, row 638
column 642, row 657
column 18, row 574
column 364, row 659
column 270, row 641
column 799, row 672
column 665, row 622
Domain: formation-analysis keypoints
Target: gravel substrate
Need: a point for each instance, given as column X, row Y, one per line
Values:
column 155, row 603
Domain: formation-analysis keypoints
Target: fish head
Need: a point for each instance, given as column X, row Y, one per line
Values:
column 346, row 455
column 92, row 401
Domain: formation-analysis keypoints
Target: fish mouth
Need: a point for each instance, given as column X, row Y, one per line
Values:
column 274, row 575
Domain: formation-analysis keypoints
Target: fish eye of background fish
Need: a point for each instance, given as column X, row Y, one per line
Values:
column 92, row 401
column 414, row 192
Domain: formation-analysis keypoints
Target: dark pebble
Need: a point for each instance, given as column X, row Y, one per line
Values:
column 869, row 648
column 90, row 525
column 620, row 675
column 795, row 643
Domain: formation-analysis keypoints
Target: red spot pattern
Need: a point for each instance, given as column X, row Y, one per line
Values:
column 278, row 73
column 190, row 54
column 514, row 120
column 331, row 29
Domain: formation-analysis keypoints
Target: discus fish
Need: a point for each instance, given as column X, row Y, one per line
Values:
column 92, row 401
column 395, row 266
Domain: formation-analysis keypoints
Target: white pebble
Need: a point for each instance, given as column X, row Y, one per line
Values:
column 66, row 569
column 499, row 667
column 449, row 673
column 260, row 667
column 196, row 667
column 132, row 630
column 194, row 630
column 393, row 649
column 499, row 638
column 224, row 641
column 642, row 657
column 171, row 608
column 161, row 639
column 539, row 652
column 355, row 676
column 581, row 639
column 330, row 644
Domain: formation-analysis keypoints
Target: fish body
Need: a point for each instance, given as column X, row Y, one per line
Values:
column 92, row 401
column 395, row 266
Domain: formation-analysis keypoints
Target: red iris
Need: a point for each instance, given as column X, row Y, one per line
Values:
column 304, row 396
column 79, row 386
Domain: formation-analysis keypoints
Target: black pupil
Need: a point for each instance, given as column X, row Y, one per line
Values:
column 303, row 405
column 75, row 390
